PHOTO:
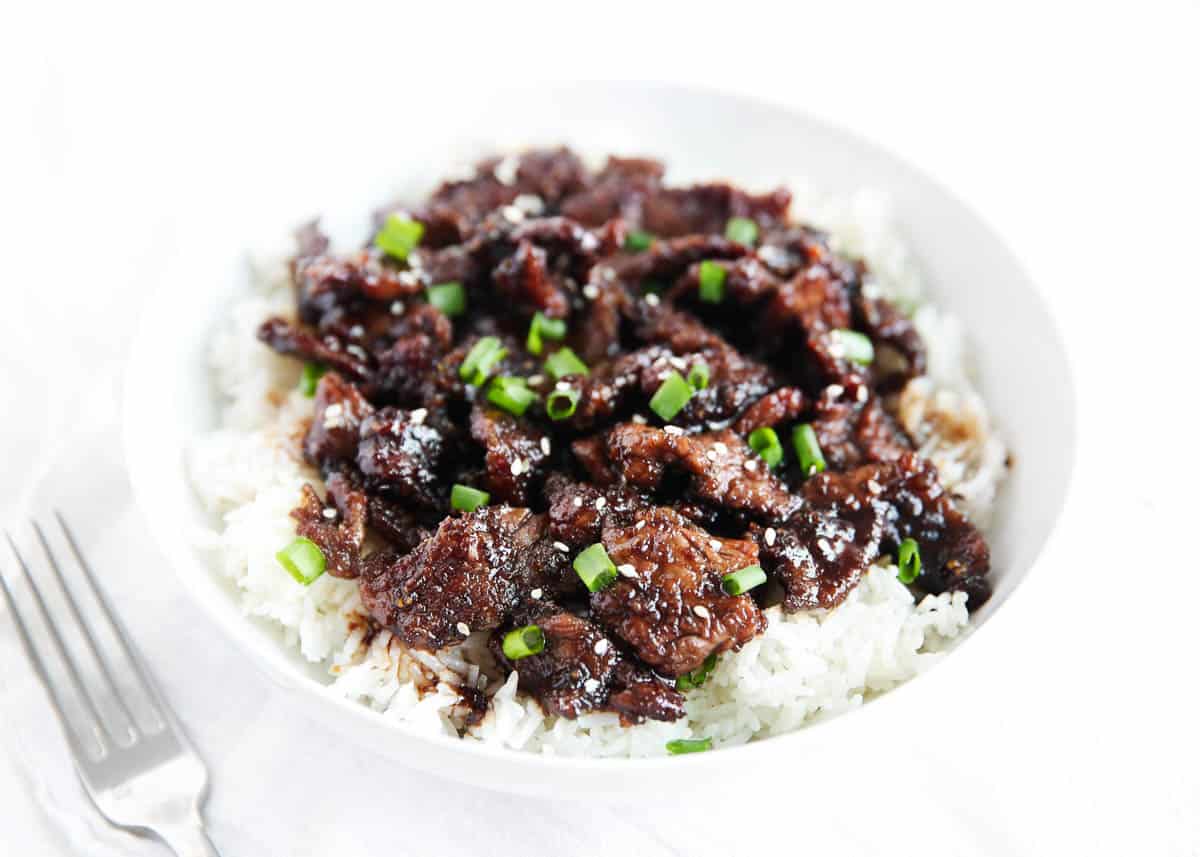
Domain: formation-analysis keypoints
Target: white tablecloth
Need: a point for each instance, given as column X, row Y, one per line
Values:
column 1075, row 135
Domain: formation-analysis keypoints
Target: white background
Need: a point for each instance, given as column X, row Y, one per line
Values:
column 1072, row 128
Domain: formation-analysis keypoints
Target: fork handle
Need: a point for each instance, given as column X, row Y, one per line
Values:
column 187, row 840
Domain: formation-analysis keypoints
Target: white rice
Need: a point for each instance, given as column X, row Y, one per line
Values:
column 805, row 667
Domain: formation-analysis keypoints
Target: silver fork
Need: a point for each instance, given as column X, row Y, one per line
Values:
column 146, row 776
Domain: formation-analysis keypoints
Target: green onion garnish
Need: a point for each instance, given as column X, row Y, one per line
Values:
column 804, row 439
column 450, row 298
column 565, row 362
column 594, row 567
column 303, row 560
column 712, row 282
column 561, row 404
column 464, row 498
column 698, row 676
column 909, row 560
column 638, row 240
column 688, row 745
column 671, row 397
column 511, row 394
column 765, row 442
column 853, row 345
column 481, row 359
column 523, row 642
column 743, row 230
column 399, row 236
column 551, row 328
column 698, row 376
column 309, row 377
column 743, row 580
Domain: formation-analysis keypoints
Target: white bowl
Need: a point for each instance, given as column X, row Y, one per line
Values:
column 1022, row 369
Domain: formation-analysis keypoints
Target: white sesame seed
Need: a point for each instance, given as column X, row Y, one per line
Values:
column 826, row 548
column 601, row 502
column 678, row 362
column 535, row 380
column 535, row 594
column 418, row 416
column 356, row 330
column 653, row 299
column 639, row 525
column 833, row 391
column 675, row 430
column 627, row 570
column 464, row 629
column 750, row 464
column 701, row 611
column 862, row 393
column 578, row 501
column 714, row 544
column 512, row 214
column 591, row 291
column 563, row 386
column 561, row 548
column 639, row 419
column 591, row 685
column 608, row 274
column 529, row 203
column 769, row 536
column 506, row 171
column 357, row 351
column 720, row 447
column 333, row 415
column 711, row 455
column 836, row 349
column 329, row 513
column 812, row 469
column 601, row 646
column 517, row 467
column 874, row 487
column 545, row 446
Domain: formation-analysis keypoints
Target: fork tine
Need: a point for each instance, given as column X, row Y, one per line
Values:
column 87, row 633
column 155, row 702
column 39, row 666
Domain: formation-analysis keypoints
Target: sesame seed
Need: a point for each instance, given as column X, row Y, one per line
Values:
column 653, row 299
column 563, row 386
column 601, row 502
column 591, row 291
column 677, row 362
column 837, row 350
column 812, row 470
column 517, row 467
column 545, row 446
column 561, row 548
column 529, row 203
column 826, row 547
column 673, row 430
column 863, row 392
column 418, row 416
column 397, row 308
column 769, row 536
column 535, row 594
column 356, row 351
column 873, row 486
column 601, row 646
column 639, row 525
column 711, row 455
column 714, row 544
column 834, row 390
column 720, row 447
column 329, row 513
column 750, row 464
column 512, row 214
column 627, row 570
column 506, row 171
column 333, row 415
column 356, row 331
column 464, row 629
column 578, row 501
column 591, row 685
column 701, row 611
column 535, row 380
column 639, row 419
column 608, row 274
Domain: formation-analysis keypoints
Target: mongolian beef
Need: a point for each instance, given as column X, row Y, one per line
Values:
column 609, row 422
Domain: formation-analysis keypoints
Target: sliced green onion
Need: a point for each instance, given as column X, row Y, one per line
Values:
column 450, row 298
column 853, row 345
column 808, row 450
column 698, row 676
column 743, row 230
column 561, row 404
column 743, row 580
column 309, row 377
column 671, row 397
column 712, row 282
column 698, row 376
column 564, row 362
column 765, row 442
column 303, row 560
column 638, row 240
column 399, row 236
column 688, row 745
column 523, row 642
column 481, row 359
column 464, row 498
column 551, row 328
column 909, row 560
column 511, row 394
column 594, row 567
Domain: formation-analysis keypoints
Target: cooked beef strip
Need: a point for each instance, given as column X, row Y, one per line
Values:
column 582, row 670
column 667, row 601
column 395, row 426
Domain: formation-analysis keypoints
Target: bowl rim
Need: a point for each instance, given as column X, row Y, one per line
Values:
column 202, row 586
